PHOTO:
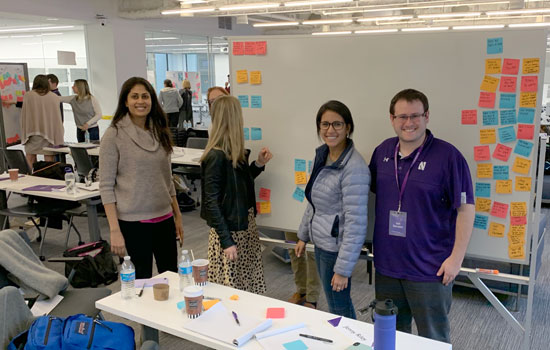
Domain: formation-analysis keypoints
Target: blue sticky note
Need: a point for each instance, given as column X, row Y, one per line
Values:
column 243, row 99
column 507, row 101
column 507, row 134
column 256, row 101
column 508, row 117
column 500, row 172
column 246, row 133
column 299, row 194
column 494, row 46
column 299, row 165
column 526, row 115
column 295, row 345
column 523, row 148
column 180, row 305
column 255, row 133
column 480, row 221
column 483, row 189
column 309, row 166
column 490, row 118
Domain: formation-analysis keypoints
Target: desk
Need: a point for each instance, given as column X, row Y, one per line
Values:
column 164, row 316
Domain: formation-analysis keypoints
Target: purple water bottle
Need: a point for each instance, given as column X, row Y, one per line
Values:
column 385, row 317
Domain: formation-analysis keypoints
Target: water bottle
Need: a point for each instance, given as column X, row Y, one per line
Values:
column 185, row 270
column 86, row 136
column 385, row 317
column 70, row 181
column 127, row 279
column 185, row 125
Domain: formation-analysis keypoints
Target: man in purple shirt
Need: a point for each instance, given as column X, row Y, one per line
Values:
column 424, row 218
column 54, row 81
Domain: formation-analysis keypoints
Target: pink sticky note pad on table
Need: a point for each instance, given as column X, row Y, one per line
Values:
column 275, row 312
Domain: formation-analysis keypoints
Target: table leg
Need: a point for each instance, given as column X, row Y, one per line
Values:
column 148, row 333
column 93, row 223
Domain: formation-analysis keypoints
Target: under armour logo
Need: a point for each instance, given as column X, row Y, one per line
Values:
column 386, row 159
column 422, row 166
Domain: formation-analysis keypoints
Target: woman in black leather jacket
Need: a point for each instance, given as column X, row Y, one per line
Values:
column 229, row 202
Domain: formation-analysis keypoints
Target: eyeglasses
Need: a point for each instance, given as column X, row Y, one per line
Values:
column 402, row 118
column 335, row 125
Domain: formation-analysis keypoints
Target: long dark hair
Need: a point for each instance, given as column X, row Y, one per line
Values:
column 156, row 117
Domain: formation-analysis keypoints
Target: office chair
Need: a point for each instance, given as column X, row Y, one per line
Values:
column 16, row 160
column 82, row 161
column 193, row 173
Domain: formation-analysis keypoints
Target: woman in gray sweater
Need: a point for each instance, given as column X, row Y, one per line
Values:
column 86, row 111
column 136, row 181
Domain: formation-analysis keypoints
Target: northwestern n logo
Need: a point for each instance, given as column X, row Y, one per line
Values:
column 386, row 159
column 422, row 166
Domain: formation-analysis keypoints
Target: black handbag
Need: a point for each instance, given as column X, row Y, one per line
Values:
column 93, row 265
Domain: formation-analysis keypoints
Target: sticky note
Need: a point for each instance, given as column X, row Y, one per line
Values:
column 523, row 148
column 482, row 153
column 523, row 184
column 489, row 83
column 508, row 84
column 255, row 77
column 503, row 186
column 500, row 172
column 502, row 152
column 530, row 66
column 207, row 304
column 508, row 117
column 526, row 131
column 493, row 66
column 246, row 134
column 256, row 134
column 486, row 99
column 300, row 177
column 265, row 207
column 243, row 99
column 249, row 47
column 516, row 239
column 496, row 229
column 265, row 194
column 517, row 230
column 261, row 47
column 242, row 76
column 516, row 251
column 309, row 166
column 510, row 66
column 485, row 171
column 529, row 83
column 234, row 297
column 275, row 312
column 299, row 194
column 238, row 48
column 507, row 101
column 481, row 221
column 490, row 118
column 507, row 134
column 483, row 189
column 469, row 116
column 483, row 205
column 180, row 305
column 256, row 101
column 494, row 46
column 295, row 345
column 526, row 115
column 299, row 165
column 258, row 208
column 500, row 210
column 487, row 136
column 528, row 99
column 518, row 220
column 518, row 208
column 521, row 165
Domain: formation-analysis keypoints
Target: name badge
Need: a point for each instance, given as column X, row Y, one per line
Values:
column 398, row 223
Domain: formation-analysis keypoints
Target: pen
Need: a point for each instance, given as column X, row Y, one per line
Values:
column 315, row 338
column 235, row 317
column 211, row 298
column 489, row 271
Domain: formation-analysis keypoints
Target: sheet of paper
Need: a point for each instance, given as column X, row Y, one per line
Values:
column 494, row 46
column 500, row 172
column 93, row 187
column 256, row 101
column 43, row 307
column 261, row 47
column 275, row 312
column 149, row 282
column 523, row 184
column 531, row 66
column 295, row 345
column 243, row 99
column 300, row 178
column 255, row 134
column 523, row 148
column 526, row 115
column 238, row 48
column 483, row 189
column 507, row 134
column 485, row 171
column 510, row 66
column 490, row 118
column 503, row 186
column 500, row 210
column 265, row 194
column 483, row 205
column 277, row 338
column 493, row 65
column 529, row 83
column 521, row 166
column 496, row 229
column 469, row 117
column 507, row 101
column 487, row 136
column 502, row 152
column 508, row 117
column 242, row 76
column 482, row 153
column 508, row 84
column 528, row 99
column 489, row 83
column 255, row 77
column 299, row 194
column 486, row 99
column 353, row 331
column 481, row 221
column 526, row 131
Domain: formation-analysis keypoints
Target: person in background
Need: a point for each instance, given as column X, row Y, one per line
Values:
column 86, row 111
column 54, row 81
column 229, row 201
column 227, row 85
column 213, row 93
column 424, row 218
column 136, row 181
column 186, row 109
column 335, row 220
column 171, row 101
column 41, row 124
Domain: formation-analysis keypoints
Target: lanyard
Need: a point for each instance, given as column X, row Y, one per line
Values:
column 402, row 188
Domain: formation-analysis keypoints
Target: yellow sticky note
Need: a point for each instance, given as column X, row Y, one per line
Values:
column 530, row 66
column 207, row 304
column 516, row 240
column 255, row 77
column 493, row 66
column 523, row 184
column 485, row 170
column 528, row 99
column 300, row 178
column 487, row 136
column 518, row 209
column 496, row 229
column 489, row 83
column 265, row 207
column 483, row 205
column 516, row 251
column 242, row 76
column 504, row 186
column 521, row 165
column 516, row 235
column 234, row 297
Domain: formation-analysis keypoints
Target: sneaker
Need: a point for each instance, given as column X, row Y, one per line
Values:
column 310, row 305
column 297, row 298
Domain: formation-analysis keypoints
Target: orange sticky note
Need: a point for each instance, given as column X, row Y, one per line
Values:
column 529, row 83
column 483, row 205
column 492, row 66
column 265, row 194
column 485, row 171
column 500, row 210
column 528, row 99
column 265, row 207
column 516, row 251
column 238, row 48
column 521, row 166
column 469, row 116
column 242, row 76
column 249, row 47
column 300, row 178
column 261, row 47
column 482, row 153
column 531, row 66
column 255, row 77
column 518, row 220
column 496, row 229
column 515, row 239
column 503, row 186
column 207, row 304
column 502, row 152
column 487, row 136
column 518, row 209
column 275, row 312
column 486, row 99
column 489, row 83
column 510, row 66
column 517, row 230
column 526, row 131
column 508, row 84
column 523, row 184
column 258, row 208
column 234, row 297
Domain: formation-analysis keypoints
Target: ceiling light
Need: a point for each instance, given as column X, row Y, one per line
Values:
column 21, row 36
column 49, row 34
column 165, row 38
column 314, row 2
column 484, row 19
column 481, row 26
column 526, row 25
column 332, row 33
column 401, row 23
column 517, row 12
column 375, row 31
column 252, row 6
column 424, row 29
column 191, row 10
column 389, row 18
column 34, row 29
column 52, row 19
column 276, row 24
column 328, row 21
column 29, row 44
column 185, row 2
column 450, row 15
column 404, row 7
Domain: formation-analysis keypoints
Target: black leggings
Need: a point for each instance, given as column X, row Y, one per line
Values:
column 143, row 240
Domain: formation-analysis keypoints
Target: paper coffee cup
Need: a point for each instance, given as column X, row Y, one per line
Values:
column 193, row 301
column 161, row 291
column 200, row 271
column 14, row 174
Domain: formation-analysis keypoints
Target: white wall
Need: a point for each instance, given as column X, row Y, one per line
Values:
column 221, row 67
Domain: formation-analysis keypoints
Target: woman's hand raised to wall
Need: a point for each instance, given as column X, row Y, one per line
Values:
column 118, row 246
column 264, row 156
column 231, row 253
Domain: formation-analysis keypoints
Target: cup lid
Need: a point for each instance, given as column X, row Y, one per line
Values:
column 200, row 262
column 192, row 291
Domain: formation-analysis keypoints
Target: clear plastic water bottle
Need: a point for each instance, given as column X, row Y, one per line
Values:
column 70, row 181
column 127, row 279
column 185, row 270
column 185, row 125
column 86, row 136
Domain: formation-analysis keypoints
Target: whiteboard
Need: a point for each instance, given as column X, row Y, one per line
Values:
column 14, row 82
column 300, row 73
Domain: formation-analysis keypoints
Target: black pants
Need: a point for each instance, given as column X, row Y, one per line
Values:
column 173, row 119
column 143, row 240
column 81, row 134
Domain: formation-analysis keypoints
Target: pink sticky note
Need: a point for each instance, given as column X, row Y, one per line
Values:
column 265, row 194
column 249, row 47
column 469, row 116
column 500, row 210
column 502, row 152
column 518, row 220
column 258, row 206
column 508, row 84
column 275, row 312
column 238, row 48
column 510, row 66
column 529, row 83
column 482, row 153
column 486, row 99
column 261, row 47
column 526, row 131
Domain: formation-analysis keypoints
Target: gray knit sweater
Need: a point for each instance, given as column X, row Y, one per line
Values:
column 135, row 172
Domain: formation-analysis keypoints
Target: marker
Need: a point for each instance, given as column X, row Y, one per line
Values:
column 315, row 338
column 235, row 317
column 489, row 271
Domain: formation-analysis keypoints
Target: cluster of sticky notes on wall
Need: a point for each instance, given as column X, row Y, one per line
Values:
column 263, row 206
column 504, row 156
column 249, row 48
column 301, row 177
column 254, row 134
column 255, row 101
